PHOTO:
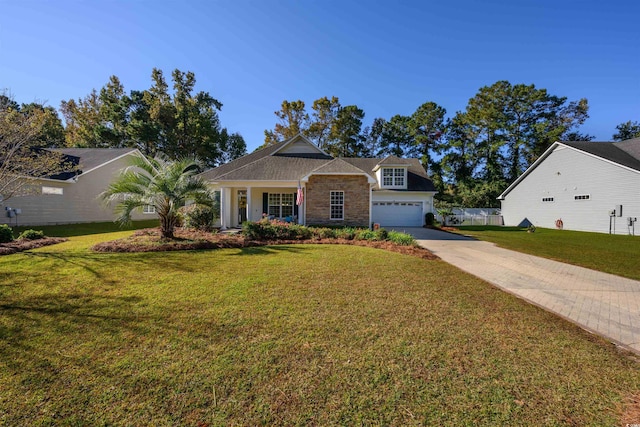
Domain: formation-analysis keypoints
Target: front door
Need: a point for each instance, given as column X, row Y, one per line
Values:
column 242, row 206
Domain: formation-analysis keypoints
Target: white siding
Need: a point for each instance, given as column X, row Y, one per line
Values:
column 299, row 146
column 78, row 203
column 564, row 174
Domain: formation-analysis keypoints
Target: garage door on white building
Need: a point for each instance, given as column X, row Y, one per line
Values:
column 394, row 214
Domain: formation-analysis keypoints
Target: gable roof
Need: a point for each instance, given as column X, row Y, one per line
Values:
column 339, row 166
column 269, row 168
column 272, row 150
column 624, row 153
column 417, row 177
column 84, row 160
column 277, row 163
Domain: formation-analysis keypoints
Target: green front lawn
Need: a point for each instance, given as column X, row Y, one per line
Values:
column 287, row 335
column 86, row 228
column 613, row 254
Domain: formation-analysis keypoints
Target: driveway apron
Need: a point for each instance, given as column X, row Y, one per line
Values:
column 602, row 303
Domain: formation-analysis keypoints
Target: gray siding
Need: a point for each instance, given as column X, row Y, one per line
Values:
column 564, row 174
column 78, row 203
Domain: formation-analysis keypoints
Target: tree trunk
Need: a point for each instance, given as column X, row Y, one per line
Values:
column 167, row 224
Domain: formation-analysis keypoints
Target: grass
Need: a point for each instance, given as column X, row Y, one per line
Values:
column 85, row 228
column 613, row 254
column 287, row 335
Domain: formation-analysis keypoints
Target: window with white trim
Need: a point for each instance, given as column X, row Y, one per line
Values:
column 582, row 197
column 52, row 190
column 393, row 177
column 280, row 204
column 547, row 199
column 148, row 209
column 336, row 205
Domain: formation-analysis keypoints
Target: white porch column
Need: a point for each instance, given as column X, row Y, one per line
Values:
column 225, row 207
column 301, row 209
column 249, row 207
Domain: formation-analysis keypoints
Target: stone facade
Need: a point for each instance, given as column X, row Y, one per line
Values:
column 356, row 200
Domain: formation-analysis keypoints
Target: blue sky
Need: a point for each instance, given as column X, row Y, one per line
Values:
column 386, row 57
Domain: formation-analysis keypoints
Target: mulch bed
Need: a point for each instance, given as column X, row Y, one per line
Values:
column 25, row 245
column 149, row 240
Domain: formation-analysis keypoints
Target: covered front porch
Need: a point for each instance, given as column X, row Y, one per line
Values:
column 251, row 203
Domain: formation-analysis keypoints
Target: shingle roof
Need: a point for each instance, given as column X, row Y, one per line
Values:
column 270, row 168
column 337, row 166
column 216, row 172
column 394, row 160
column 625, row 153
column 417, row 178
column 91, row 158
column 630, row 146
column 84, row 159
column 269, row 165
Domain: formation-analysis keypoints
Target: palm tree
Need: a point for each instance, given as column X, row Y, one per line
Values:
column 161, row 183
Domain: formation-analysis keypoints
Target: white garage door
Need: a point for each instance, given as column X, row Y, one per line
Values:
column 393, row 214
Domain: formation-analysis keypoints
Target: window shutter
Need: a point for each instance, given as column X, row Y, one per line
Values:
column 265, row 203
column 295, row 204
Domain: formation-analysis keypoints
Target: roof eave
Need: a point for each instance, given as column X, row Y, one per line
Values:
column 370, row 179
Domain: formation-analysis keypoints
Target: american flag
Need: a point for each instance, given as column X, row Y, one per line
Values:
column 300, row 196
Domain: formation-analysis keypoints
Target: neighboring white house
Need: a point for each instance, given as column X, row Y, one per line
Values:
column 336, row 191
column 585, row 186
column 73, row 197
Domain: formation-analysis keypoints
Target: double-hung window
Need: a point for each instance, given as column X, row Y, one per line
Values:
column 281, row 205
column 337, row 205
column 148, row 209
column 393, row 177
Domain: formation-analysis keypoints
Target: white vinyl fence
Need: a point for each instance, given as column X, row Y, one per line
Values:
column 473, row 216
column 475, row 220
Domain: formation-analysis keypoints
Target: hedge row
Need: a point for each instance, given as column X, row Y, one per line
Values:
column 266, row 229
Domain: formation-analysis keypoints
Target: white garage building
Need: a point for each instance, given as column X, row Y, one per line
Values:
column 584, row 186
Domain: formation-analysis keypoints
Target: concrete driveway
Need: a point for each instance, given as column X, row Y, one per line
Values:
column 602, row 303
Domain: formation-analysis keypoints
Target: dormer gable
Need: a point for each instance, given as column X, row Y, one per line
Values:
column 392, row 173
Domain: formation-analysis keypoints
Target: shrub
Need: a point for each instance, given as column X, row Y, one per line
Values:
column 402, row 239
column 347, row 233
column 31, row 235
column 323, row 233
column 366, row 234
column 266, row 229
column 382, row 234
column 200, row 217
column 6, row 233
column 429, row 219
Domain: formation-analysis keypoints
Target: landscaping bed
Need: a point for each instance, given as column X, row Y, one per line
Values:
column 24, row 245
column 150, row 240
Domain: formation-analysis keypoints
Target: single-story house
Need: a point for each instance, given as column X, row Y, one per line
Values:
column 296, row 181
column 72, row 196
column 584, row 186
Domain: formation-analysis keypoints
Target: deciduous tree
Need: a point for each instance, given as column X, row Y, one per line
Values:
column 627, row 130
column 325, row 113
column 21, row 158
column 292, row 120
